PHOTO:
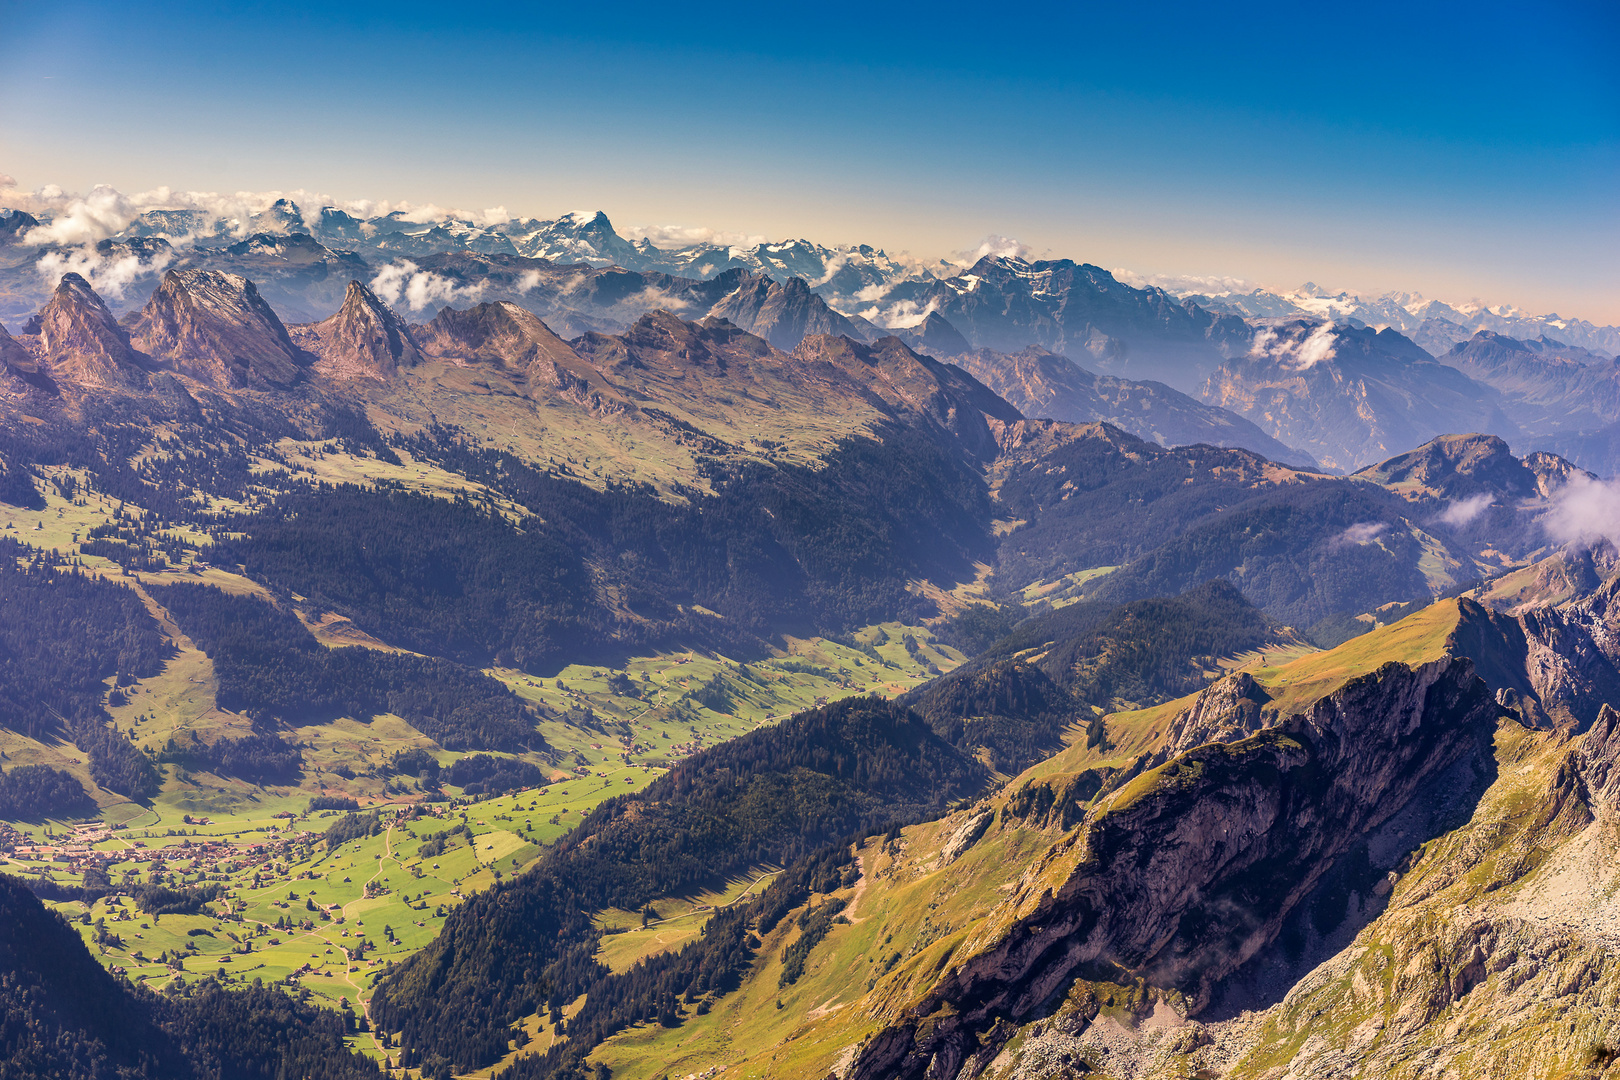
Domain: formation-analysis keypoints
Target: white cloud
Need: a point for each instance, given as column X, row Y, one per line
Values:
column 109, row 275
column 1004, row 247
column 1186, row 284
column 1294, row 346
column 80, row 219
column 1362, row 532
column 901, row 315
column 669, row 237
column 404, row 281
column 1585, row 511
column 1463, row 511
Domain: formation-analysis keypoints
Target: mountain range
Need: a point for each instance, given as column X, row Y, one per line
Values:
column 442, row 649
column 1365, row 385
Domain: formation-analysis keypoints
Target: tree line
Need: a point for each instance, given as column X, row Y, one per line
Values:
column 772, row 796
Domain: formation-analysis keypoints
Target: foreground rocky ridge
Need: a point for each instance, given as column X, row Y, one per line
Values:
column 1360, row 863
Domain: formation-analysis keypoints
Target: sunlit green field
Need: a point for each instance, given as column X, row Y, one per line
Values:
column 330, row 921
column 293, row 910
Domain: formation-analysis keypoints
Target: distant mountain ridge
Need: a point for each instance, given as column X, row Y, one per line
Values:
column 858, row 279
column 1433, row 324
column 580, row 276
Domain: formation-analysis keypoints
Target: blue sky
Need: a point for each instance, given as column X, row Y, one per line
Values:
column 1459, row 150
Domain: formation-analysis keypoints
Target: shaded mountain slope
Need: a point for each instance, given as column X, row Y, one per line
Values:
column 1007, row 304
column 1350, row 397
column 65, row 1017
column 1546, row 387
column 1043, row 385
column 216, row 328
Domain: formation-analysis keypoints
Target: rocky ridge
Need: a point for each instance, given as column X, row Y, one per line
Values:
column 218, row 329
column 364, row 339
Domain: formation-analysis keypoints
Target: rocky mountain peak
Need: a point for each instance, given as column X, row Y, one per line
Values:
column 1469, row 466
column 937, row 337
column 500, row 332
column 781, row 313
column 217, row 328
column 513, row 338
column 13, row 223
column 81, row 341
column 365, row 339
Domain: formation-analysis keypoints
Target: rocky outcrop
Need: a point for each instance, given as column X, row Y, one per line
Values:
column 1554, row 666
column 907, row 382
column 1185, row 873
column 783, row 314
column 217, row 328
column 1470, row 466
column 1495, row 958
column 1043, row 384
column 1227, row 710
column 1349, row 396
column 515, row 340
column 80, row 342
column 501, row 334
column 365, row 339
column 936, row 337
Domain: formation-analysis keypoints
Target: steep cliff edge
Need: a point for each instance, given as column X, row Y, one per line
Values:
column 1189, row 870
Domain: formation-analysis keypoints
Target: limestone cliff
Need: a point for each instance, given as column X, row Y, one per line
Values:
column 1189, row 870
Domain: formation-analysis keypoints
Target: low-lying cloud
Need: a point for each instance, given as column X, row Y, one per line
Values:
column 75, row 218
column 404, row 281
column 1585, row 512
column 901, row 315
column 1362, row 532
column 1187, row 284
column 672, row 237
column 110, row 275
column 1002, row 247
column 1294, row 347
column 1463, row 511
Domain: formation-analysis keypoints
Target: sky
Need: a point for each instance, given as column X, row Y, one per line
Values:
column 1458, row 150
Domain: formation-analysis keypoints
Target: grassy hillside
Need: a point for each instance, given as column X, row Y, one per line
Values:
column 938, row 890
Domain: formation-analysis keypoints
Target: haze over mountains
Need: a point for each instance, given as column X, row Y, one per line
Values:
column 1002, row 672
column 1336, row 380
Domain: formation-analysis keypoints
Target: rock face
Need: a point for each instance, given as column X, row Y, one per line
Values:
column 936, row 337
column 363, row 340
column 1007, row 304
column 80, row 341
column 903, row 380
column 1496, row 955
column 1468, row 466
column 783, row 314
column 1189, row 870
column 1349, row 397
column 515, row 340
column 216, row 328
column 1043, row 384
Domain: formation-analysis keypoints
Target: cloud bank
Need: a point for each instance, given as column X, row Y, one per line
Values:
column 1463, row 511
column 1293, row 347
column 418, row 288
column 1585, row 512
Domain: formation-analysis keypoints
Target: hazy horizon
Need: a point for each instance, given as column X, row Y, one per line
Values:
column 1467, row 154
